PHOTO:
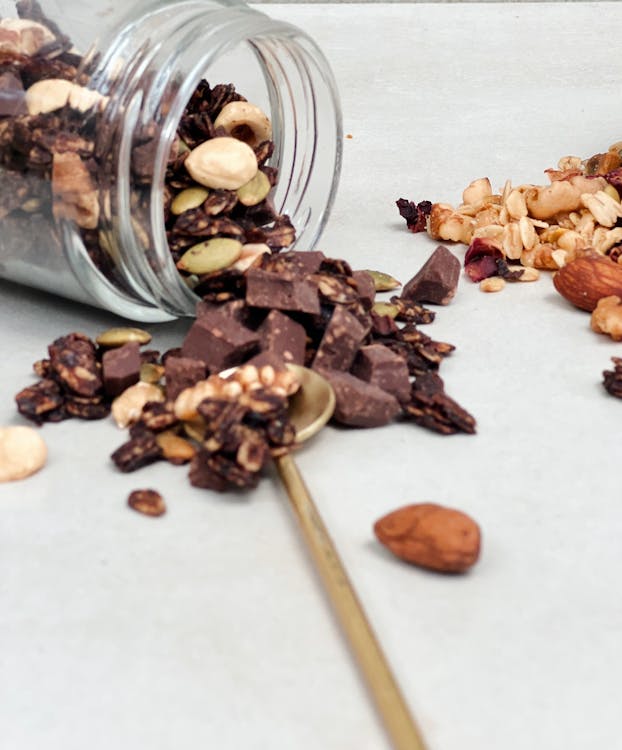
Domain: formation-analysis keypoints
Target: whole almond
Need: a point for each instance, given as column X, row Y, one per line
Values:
column 587, row 279
column 431, row 536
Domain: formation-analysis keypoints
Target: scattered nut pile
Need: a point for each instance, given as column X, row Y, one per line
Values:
column 533, row 226
column 572, row 226
column 55, row 147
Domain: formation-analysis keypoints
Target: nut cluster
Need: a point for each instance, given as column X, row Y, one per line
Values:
column 535, row 226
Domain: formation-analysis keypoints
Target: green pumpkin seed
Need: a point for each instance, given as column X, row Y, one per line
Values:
column 114, row 337
column 187, row 199
column 151, row 373
column 383, row 282
column 255, row 190
column 385, row 308
column 211, row 255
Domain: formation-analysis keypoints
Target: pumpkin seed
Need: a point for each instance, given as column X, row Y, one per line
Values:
column 189, row 198
column 211, row 255
column 255, row 190
column 385, row 308
column 114, row 337
column 151, row 373
column 383, row 282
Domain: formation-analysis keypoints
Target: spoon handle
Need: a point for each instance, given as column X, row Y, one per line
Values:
column 390, row 703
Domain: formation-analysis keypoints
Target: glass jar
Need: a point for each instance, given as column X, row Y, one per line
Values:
column 84, row 188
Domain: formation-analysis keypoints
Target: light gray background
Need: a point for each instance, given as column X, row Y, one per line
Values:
column 207, row 628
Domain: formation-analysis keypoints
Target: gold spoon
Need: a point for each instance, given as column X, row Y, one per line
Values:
column 310, row 409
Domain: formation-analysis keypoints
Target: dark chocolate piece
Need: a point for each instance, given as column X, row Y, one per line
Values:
column 366, row 287
column 297, row 262
column 284, row 337
column 340, row 342
column 267, row 357
column 219, row 341
column 121, row 368
column 377, row 364
column 436, row 281
column 281, row 292
column 235, row 308
column 182, row 372
column 360, row 404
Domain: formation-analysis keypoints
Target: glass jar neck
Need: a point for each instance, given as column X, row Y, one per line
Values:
column 149, row 71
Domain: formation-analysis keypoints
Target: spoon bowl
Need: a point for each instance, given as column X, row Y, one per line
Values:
column 312, row 405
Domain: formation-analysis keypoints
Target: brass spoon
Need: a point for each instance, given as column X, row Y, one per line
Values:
column 310, row 409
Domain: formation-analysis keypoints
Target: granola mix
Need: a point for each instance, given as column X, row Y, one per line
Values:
column 57, row 161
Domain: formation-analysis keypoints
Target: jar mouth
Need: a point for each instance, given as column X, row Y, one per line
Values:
column 299, row 96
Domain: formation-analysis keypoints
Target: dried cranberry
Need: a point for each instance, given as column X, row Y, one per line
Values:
column 416, row 214
column 480, row 260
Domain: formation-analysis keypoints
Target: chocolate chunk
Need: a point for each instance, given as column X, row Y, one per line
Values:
column 340, row 342
column 361, row 404
column 267, row 357
column 366, row 287
column 284, row 337
column 235, row 308
column 182, row 372
column 383, row 325
column 281, row 292
column 378, row 365
column 121, row 368
column 296, row 262
column 437, row 279
column 219, row 341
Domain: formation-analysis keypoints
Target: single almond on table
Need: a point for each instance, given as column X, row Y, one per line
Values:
column 431, row 536
column 587, row 279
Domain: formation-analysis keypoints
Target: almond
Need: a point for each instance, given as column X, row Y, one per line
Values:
column 587, row 279
column 431, row 536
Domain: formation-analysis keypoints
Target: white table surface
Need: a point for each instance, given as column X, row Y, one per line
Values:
column 207, row 628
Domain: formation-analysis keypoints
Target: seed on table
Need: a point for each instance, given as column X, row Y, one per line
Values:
column 383, row 282
column 211, row 255
column 255, row 190
column 187, row 199
column 147, row 502
column 22, row 452
column 115, row 337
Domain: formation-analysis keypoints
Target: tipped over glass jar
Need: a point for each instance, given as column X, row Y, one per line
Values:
column 132, row 171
